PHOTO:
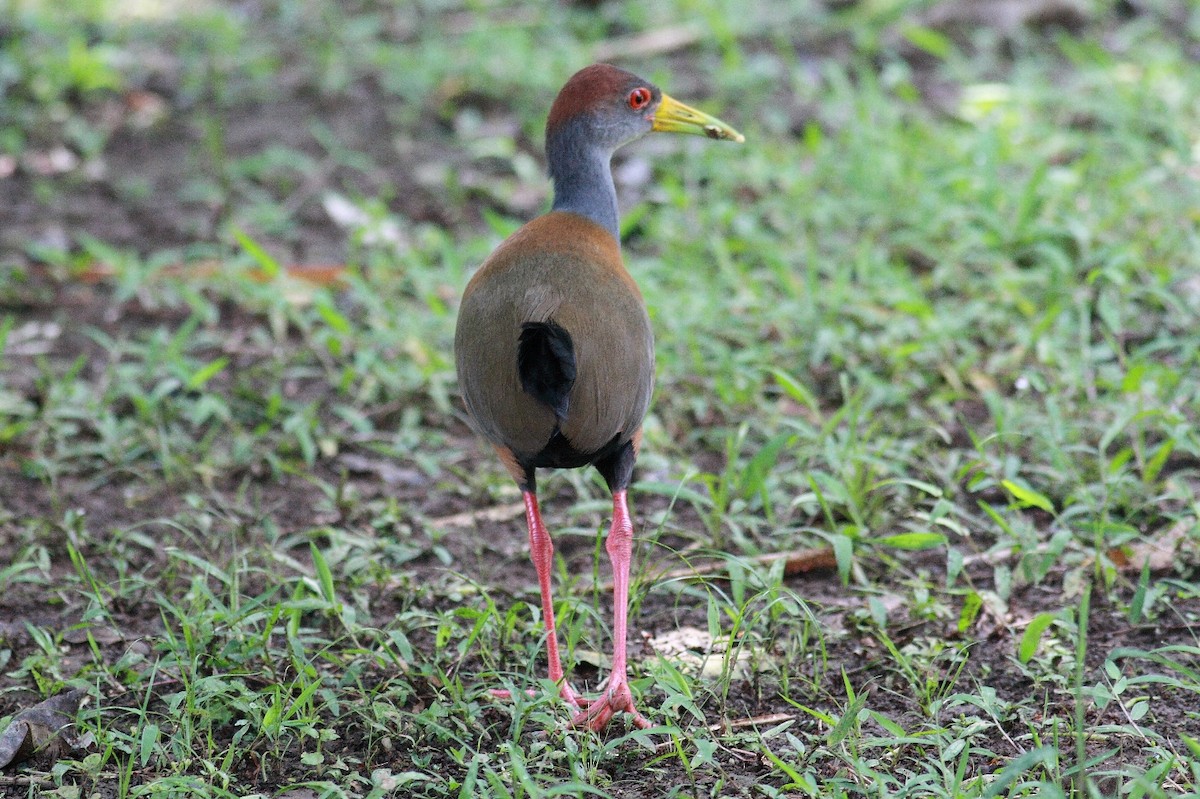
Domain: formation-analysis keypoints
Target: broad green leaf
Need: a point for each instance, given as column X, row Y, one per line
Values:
column 848, row 722
column 954, row 566
column 1016, row 767
column 206, row 373
column 1137, row 605
column 1158, row 460
column 796, row 390
column 843, row 552
column 324, row 575
column 265, row 261
column 1033, row 635
column 1192, row 744
column 756, row 471
column 931, row 41
column 912, row 540
column 334, row 318
column 972, row 604
column 1027, row 497
column 274, row 713
column 148, row 743
column 920, row 485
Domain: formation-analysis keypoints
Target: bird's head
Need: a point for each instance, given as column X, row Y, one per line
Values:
column 604, row 106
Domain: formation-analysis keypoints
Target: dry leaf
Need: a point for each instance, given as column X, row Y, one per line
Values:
column 40, row 726
column 383, row 468
column 374, row 231
column 1007, row 16
column 598, row 660
column 727, row 727
column 681, row 639
column 101, row 635
column 695, row 651
column 16, row 743
column 1161, row 551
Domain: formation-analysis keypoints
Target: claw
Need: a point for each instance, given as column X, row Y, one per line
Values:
column 594, row 712
column 569, row 695
column 618, row 699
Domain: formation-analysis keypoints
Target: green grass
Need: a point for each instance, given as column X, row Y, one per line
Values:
column 940, row 313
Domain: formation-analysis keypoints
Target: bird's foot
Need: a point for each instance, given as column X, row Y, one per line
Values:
column 615, row 698
column 594, row 711
column 569, row 695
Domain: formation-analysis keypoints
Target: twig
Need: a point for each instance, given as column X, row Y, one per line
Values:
column 753, row 721
column 999, row 556
column 26, row 780
column 797, row 561
column 499, row 513
column 729, row 726
column 332, row 275
column 656, row 42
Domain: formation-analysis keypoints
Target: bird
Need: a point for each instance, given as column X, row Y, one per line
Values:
column 554, row 348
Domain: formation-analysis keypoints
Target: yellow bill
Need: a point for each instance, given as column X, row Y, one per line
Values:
column 673, row 116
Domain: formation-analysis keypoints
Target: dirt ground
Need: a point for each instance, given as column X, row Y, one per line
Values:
column 494, row 554
column 56, row 308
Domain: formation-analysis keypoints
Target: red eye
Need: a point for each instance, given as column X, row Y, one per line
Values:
column 639, row 98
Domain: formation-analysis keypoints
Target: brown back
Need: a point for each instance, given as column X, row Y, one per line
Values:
column 564, row 268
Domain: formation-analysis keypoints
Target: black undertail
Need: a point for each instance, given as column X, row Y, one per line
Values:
column 614, row 460
column 546, row 365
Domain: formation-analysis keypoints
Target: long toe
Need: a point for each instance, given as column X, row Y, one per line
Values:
column 617, row 699
column 569, row 695
column 582, row 701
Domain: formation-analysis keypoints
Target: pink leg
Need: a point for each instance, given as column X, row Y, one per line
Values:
column 616, row 696
column 541, row 550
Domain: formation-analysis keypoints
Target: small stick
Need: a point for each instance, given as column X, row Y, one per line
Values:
column 797, row 561
column 499, row 513
column 656, row 42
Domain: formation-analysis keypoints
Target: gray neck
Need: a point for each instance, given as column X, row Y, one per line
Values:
column 583, row 181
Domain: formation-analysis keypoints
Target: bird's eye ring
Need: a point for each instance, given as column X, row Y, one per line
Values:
column 639, row 98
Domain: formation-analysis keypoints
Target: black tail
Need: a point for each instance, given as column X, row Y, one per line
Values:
column 546, row 364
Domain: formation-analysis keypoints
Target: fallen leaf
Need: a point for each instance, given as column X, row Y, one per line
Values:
column 373, row 230
column 1006, row 16
column 101, row 635
column 681, row 639
column 33, row 338
column 11, row 631
column 728, row 727
column 52, row 162
column 16, row 743
column 694, row 650
column 36, row 728
column 328, row 275
column 383, row 468
column 591, row 657
column 1161, row 551
column 145, row 108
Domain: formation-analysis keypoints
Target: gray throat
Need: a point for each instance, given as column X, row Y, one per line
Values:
column 583, row 182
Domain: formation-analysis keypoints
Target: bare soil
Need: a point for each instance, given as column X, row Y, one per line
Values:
column 58, row 208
